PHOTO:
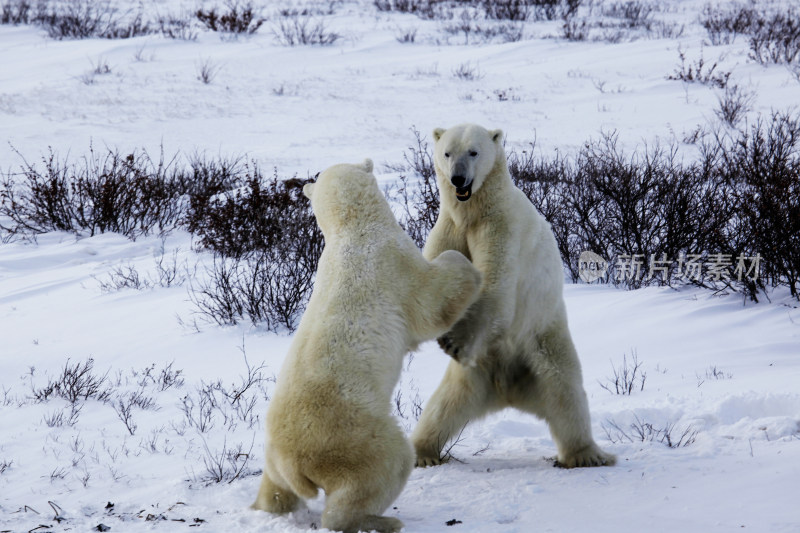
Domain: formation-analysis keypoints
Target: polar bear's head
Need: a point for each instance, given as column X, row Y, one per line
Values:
column 464, row 155
column 344, row 195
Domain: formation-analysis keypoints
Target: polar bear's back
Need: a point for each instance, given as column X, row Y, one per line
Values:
column 353, row 330
column 334, row 390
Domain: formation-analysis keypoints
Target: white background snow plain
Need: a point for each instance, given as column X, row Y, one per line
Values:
column 726, row 372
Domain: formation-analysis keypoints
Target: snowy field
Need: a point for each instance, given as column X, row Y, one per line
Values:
column 161, row 445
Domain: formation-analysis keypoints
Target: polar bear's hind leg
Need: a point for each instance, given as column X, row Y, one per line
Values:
column 560, row 399
column 356, row 504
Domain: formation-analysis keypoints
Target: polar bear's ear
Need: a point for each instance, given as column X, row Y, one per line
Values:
column 496, row 135
column 308, row 189
column 437, row 133
column 367, row 164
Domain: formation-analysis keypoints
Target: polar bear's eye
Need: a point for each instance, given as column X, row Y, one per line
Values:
column 473, row 153
column 447, row 154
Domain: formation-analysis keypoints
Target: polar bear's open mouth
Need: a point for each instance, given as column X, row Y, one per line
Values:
column 463, row 193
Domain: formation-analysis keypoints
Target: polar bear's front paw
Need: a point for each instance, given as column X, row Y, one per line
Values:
column 589, row 456
column 450, row 346
column 428, row 460
column 457, row 349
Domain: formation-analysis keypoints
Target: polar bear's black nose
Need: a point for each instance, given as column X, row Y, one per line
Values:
column 458, row 181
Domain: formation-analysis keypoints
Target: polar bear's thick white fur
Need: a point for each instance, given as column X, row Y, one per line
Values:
column 513, row 346
column 375, row 298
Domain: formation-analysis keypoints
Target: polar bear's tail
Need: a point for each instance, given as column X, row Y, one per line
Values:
column 292, row 475
column 301, row 484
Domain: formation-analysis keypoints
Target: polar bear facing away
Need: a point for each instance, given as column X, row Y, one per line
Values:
column 513, row 346
column 375, row 298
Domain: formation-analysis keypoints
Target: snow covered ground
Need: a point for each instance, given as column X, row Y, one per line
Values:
column 720, row 375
